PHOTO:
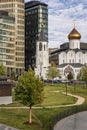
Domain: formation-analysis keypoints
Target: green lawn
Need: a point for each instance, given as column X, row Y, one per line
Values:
column 41, row 117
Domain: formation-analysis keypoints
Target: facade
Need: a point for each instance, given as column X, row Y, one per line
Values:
column 7, row 40
column 15, row 9
column 36, row 12
column 71, row 56
column 42, row 56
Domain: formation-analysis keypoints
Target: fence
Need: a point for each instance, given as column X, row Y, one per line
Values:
column 66, row 113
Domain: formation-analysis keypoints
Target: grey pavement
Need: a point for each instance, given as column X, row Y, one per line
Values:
column 74, row 122
column 5, row 127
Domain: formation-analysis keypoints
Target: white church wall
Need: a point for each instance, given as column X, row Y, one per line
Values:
column 74, row 44
column 62, row 58
column 70, row 56
column 79, row 57
column 85, row 55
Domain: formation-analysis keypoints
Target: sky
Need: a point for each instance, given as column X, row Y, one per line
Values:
column 61, row 17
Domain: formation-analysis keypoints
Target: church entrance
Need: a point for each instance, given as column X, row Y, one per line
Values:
column 68, row 70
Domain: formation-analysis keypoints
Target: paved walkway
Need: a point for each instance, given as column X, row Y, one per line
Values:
column 74, row 122
column 80, row 101
column 5, row 127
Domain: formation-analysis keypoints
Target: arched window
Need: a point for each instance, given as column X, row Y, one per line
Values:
column 44, row 47
column 40, row 47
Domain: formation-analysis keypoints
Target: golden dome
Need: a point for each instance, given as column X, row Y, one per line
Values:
column 74, row 34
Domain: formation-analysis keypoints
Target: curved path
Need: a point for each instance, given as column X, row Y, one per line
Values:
column 80, row 101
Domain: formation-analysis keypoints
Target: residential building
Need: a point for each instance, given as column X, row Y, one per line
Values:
column 36, row 13
column 15, row 9
column 7, row 41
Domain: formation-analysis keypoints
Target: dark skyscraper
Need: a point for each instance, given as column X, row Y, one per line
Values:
column 36, row 14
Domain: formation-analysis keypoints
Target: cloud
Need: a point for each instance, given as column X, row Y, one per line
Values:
column 61, row 14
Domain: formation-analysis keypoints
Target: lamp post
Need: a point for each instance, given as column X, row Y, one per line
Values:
column 66, row 83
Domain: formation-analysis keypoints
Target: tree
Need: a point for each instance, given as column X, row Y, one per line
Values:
column 13, row 75
column 2, row 70
column 70, row 76
column 83, row 73
column 52, row 71
column 29, row 90
column 79, row 76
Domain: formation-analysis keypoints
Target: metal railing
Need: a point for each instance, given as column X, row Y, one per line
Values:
column 66, row 113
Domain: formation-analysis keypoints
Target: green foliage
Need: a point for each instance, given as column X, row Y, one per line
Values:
column 29, row 89
column 2, row 70
column 79, row 76
column 70, row 76
column 83, row 73
column 13, row 75
column 52, row 71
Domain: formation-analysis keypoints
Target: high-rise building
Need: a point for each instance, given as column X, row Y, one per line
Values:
column 15, row 9
column 7, row 41
column 36, row 13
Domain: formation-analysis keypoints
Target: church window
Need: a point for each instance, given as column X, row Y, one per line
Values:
column 63, row 61
column 70, row 61
column 40, row 47
column 44, row 47
column 79, row 61
column 73, row 60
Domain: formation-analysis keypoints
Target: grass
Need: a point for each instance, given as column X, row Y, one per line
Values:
column 41, row 117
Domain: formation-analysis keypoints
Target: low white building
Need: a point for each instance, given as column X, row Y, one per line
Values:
column 71, row 55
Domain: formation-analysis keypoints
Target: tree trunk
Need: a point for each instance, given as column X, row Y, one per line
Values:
column 30, row 115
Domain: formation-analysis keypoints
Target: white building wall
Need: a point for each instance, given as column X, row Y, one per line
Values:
column 74, row 44
column 85, row 57
column 62, row 58
column 42, row 59
column 80, row 57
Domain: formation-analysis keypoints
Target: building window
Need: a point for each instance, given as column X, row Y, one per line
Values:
column 44, row 47
column 40, row 47
column 70, row 61
column 79, row 61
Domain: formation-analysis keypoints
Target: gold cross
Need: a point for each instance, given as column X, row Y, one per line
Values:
column 74, row 21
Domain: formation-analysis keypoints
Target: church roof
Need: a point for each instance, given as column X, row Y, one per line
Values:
column 65, row 47
column 76, row 65
column 74, row 34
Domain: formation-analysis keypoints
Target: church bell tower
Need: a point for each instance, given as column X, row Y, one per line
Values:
column 42, row 55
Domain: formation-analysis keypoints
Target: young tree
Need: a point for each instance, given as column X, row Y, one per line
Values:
column 79, row 76
column 83, row 73
column 2, row 70
column 52, row 71
column 29, row 90
column 70, row 76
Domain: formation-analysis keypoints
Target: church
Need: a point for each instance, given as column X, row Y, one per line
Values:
column 71, row 56
column 42, row 55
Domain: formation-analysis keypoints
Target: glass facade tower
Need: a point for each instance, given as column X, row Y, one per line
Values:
column 36, row 14
column 15, row 9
